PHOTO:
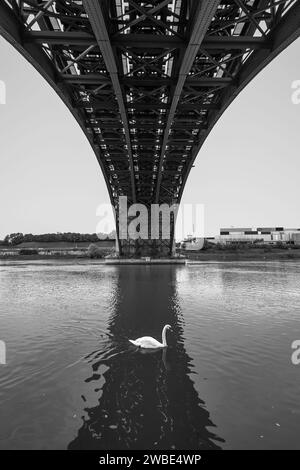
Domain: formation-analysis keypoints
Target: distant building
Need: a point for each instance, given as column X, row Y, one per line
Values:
column 296, row 238
column 259, row 234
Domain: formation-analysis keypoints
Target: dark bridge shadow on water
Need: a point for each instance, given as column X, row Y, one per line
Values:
column 146, row 401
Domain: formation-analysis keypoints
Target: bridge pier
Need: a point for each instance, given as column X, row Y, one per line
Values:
column 140, row 248
column 145, row 230
column 145, row 237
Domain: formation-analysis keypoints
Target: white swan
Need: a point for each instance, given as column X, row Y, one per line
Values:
column 148, row 342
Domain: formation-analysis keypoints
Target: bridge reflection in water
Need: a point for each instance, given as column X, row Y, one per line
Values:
column 144, row 401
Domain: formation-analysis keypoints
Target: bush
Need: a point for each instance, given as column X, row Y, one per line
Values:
column 28, row 251
column 94, row 251
column 281, row 245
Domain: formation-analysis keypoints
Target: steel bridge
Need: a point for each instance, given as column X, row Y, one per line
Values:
column 148, row 79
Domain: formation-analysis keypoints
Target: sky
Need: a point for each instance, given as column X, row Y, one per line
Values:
column 246, row 174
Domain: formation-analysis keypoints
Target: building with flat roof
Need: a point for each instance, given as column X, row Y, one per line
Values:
column 259, row 234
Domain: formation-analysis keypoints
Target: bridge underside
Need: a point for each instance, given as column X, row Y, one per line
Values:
column 147, row 80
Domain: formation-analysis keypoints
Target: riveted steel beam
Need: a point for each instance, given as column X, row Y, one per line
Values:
column 142, row 41
column 95, row 14
column 203, row 17
column 284, row 33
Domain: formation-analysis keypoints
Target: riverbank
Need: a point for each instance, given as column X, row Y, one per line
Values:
column 253, row 254
column 202, row 256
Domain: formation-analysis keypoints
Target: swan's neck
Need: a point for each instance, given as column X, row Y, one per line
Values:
column 164, row 336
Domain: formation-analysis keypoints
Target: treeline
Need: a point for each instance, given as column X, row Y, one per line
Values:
column 71, row 237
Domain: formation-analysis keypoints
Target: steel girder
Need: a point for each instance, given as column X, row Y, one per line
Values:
column 148, row 79
column 203, row 15
column 281, row 33
column 95, row 14
column 13, row 29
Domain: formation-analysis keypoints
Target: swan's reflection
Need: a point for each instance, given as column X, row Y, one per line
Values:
column 145, row 400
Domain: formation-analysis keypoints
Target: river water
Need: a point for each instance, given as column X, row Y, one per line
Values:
column 226, row 380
